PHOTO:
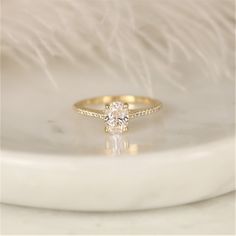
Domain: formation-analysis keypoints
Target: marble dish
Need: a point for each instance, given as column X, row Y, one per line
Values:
column 53, row 158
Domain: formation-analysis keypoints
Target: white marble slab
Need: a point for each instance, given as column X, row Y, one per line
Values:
column 215, row 216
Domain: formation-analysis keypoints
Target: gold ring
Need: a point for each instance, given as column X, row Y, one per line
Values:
column 117, row 110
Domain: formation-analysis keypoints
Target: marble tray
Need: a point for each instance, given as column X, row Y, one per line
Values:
column 211, row 217
column 53, row 158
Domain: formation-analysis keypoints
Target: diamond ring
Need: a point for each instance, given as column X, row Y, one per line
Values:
column 116, row 111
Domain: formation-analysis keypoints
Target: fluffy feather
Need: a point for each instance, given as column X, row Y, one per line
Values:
column 134, row 35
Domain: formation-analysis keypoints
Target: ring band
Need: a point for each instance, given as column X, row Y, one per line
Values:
column 118, row 110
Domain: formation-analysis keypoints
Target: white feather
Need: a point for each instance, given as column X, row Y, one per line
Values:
column 135, row 34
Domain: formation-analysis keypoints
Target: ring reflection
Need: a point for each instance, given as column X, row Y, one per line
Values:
column 118, row 144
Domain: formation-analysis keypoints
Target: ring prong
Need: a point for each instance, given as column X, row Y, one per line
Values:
column 125, row 129
column 126, row 105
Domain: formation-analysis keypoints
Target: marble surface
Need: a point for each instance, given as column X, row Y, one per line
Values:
column 215, row 216
column 118, row 183
column 53, row 158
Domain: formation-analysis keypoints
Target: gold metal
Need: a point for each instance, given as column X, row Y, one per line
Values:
column 126, row 105
column 149, row 105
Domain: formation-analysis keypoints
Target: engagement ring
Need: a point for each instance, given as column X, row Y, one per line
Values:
column 116, row 111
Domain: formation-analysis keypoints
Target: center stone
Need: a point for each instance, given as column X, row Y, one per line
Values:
column 116, row 117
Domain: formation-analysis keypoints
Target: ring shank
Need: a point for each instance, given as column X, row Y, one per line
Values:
column 151, row 105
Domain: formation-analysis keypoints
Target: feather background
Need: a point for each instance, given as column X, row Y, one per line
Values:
column 135, row 36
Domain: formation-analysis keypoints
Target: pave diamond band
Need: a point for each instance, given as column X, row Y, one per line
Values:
column 118, row 110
